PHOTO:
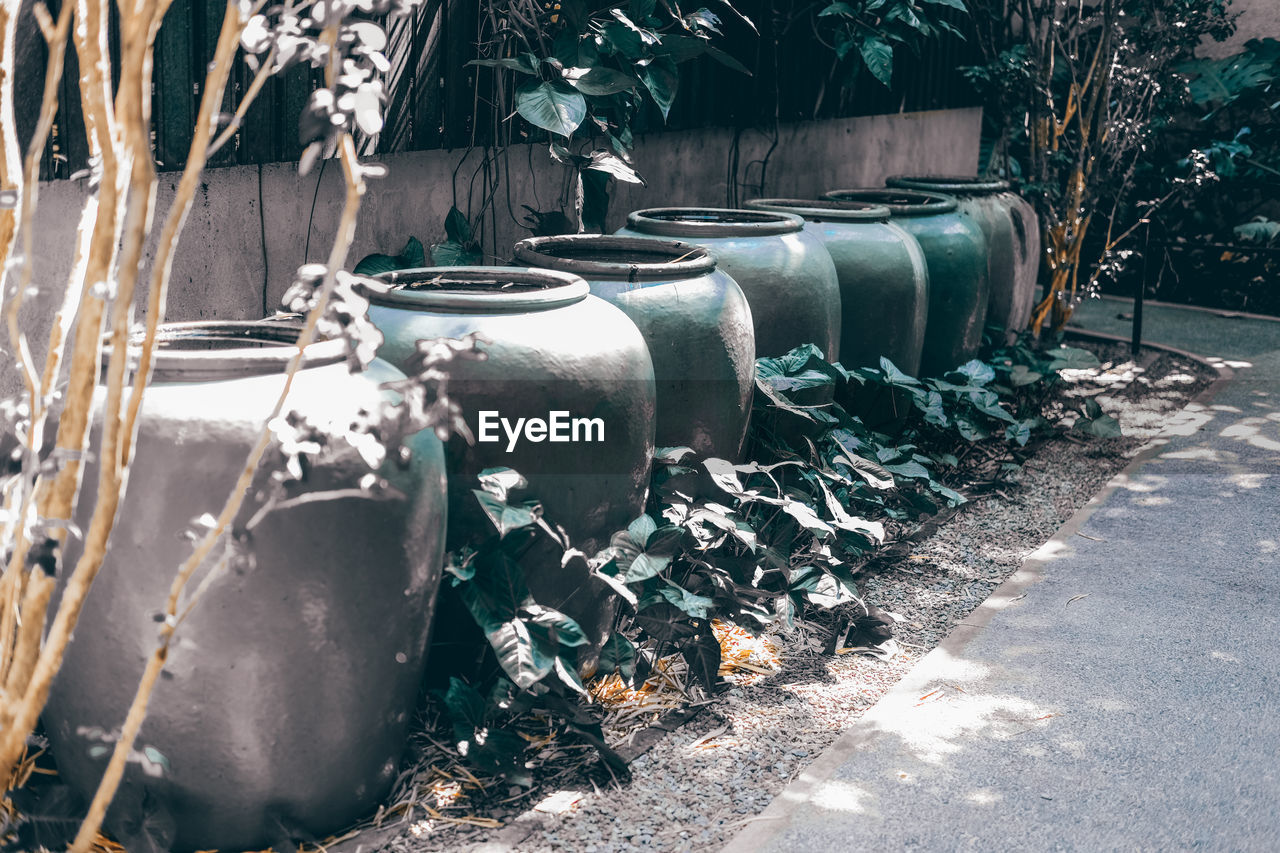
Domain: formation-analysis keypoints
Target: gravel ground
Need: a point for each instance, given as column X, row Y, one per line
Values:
column 703, row 782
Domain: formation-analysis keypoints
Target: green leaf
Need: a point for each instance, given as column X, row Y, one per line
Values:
column 504, row 516
column 970, row 430
column 724, row 475
column 665, row 622
column 808, row 519
column 411, row 256
column 526, row 63
column 673, row 455
column 599, row 80
column 641, row 529
column 1104, row 426
column 1019, row 432
column 739, row 15
column 453, row 254
column 932, row 408
column 1070, row 358
column 563, row 630
column 903, row 12
column 988, row 402
column 1260, row 230
column 464, row 704
column 614, row 166
column 697, row 606
column 665, row 541
column 645, row 566
column 523, row 659
column 618, row 655
column 553, row 106
column 499, row 482
column 1021, row 375
column 703, row 656
column 894, row 376
column 839, row 8
column 726, row 60
column 912, row 469
column 662, row 79
column 704, row 19
column 456, row 226
column 977, row 372
column 877, row 54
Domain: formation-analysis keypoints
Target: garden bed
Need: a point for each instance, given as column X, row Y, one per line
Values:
column 788, row 698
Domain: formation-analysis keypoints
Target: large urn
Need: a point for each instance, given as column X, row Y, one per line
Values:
column 785, row 271
column 287, row 696
column 955, row 253
column 564, row 395
column 693, row 316
column 1012, row 229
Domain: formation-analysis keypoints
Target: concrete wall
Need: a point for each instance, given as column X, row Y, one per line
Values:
column 249, row 227
column 1258, row 19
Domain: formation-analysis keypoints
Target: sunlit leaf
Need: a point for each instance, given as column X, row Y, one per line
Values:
column 553, row 106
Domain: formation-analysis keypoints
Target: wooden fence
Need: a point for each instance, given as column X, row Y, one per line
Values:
column 432, row 99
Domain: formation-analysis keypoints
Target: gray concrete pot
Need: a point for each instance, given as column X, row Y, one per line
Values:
column 288, row 694
column 1012, row 229
column 786, row 273
column 955, row 253
column 694, row 317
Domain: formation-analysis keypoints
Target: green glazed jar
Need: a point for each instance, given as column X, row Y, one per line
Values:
column 884, row 286
column 1011, row 227
column 551, row 347
column 694, row 318
column 785, row 272
column 289, row 689
column 956, row 255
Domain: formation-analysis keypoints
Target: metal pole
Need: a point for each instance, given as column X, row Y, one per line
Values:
column 1142, row 292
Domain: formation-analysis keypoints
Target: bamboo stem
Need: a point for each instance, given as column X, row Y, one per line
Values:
column 58, row 501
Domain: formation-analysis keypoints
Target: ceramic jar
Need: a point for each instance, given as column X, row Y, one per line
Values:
column 693, row 316
column 884, row 285
column 287, row 695
column 786, row 273
column 554, row 353
column 1012, row 229
column 955, row 254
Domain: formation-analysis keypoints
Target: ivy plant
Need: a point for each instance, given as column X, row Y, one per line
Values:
column 751, row 543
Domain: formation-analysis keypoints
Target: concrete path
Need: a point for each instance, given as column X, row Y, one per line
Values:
column 1120, row 692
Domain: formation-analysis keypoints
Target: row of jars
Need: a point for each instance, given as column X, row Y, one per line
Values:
column 288, row 699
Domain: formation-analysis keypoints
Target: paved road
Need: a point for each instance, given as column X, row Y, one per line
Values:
column 1118, row 693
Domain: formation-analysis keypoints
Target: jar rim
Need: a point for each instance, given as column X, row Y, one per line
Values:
column 479, row 290
column 648, row 258
column 229, row 348
column 710, row 222
column 901, row 202
column 953, row 184
column 824, row 209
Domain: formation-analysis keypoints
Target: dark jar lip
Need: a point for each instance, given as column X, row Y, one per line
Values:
column 954, row 184
column 824, row 209
column 205, row 350
column 596, row 256
column 711, row 222
column 900, row 202
column 479, row 290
